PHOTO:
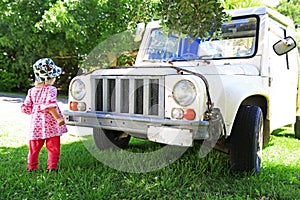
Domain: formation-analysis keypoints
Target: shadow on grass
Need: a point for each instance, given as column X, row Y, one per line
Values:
column 286, row 131
column 82, row 176
column 75, row 155
column 12, row 98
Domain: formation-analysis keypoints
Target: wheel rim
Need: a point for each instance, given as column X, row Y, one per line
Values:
column 259, row 145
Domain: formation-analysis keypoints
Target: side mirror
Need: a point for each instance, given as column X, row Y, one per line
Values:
column 140, row 28
column 285, row 45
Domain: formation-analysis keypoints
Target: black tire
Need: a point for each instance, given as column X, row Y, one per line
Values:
column 246, row 140
column 297, row 127
column 108, row 139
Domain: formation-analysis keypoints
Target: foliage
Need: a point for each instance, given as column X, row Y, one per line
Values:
column 87, row 23
column 64, row 30
column 197, row 18
column 290, row 8
column 23, row 44
column 234, row 4
column 117, row 50
column 127, row 59
column 17, row 40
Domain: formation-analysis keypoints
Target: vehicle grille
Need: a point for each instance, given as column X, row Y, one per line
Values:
column 132, row 95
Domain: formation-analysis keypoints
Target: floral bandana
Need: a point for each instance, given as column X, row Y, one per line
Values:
column 45, row 69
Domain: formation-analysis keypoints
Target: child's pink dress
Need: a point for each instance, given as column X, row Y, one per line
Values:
column 43, row 124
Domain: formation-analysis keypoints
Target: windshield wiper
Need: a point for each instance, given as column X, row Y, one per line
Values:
column 185, row 57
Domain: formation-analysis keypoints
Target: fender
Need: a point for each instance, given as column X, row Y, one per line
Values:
column 235, row 91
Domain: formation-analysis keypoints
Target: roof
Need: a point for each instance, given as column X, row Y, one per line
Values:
column 261, row 11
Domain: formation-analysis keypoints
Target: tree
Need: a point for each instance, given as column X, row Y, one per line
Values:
column 198, row 18
column 290, row 8
column 18, row 43
column 234, row 4
column 61, row 29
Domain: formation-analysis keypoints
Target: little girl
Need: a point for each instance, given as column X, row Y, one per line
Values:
column 47, row 123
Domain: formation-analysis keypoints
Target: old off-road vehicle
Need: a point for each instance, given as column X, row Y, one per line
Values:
column 231, row 91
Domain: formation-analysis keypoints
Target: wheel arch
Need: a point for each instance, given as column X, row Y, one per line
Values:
column 257, row 100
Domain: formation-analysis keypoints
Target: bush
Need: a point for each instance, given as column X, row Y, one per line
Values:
column 12, row 76
column 17, row 76
column 70, row 69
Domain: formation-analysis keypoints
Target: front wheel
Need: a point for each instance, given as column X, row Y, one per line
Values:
column 108, row 139
column 247, row 139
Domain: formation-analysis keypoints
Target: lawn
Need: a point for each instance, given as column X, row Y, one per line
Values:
column 82, row 176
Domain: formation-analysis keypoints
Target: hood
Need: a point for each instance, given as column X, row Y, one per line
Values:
column 152, row 70
column 249, row 70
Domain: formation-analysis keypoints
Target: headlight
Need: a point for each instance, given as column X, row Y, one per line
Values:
column 184, row 92
column 78, row 89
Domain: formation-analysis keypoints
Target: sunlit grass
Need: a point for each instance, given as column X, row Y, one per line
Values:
column 81, row 176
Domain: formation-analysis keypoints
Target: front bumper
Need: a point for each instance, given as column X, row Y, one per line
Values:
column 174, row 132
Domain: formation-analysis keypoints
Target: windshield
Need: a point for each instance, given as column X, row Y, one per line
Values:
column 236, row 40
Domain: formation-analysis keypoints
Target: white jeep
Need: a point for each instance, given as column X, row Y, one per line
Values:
column 231, row 91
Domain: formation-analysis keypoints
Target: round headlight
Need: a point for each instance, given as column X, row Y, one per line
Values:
column 184, row 92
column 78, row 89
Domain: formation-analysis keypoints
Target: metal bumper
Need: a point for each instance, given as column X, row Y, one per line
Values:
column 153, row 128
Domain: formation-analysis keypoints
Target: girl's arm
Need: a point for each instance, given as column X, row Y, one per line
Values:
column 26, row 107
column 55, row 114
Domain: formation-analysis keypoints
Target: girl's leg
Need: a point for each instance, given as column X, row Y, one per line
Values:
column 34, row 150
column 53, row 146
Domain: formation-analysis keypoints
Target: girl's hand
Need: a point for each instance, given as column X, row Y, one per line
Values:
column 60, row 121
column 55, row 114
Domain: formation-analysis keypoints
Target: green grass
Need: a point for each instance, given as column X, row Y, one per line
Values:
column 23, row 94
column 13, row 93
column 82, row 176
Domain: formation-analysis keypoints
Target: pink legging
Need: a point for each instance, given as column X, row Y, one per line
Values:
column 53, row 147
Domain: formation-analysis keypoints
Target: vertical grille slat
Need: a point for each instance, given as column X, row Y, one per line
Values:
column 99, row 95
column 138, row 96
column 131, row 95
column 154, row 97
column 111, row 95
column 124, row 96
